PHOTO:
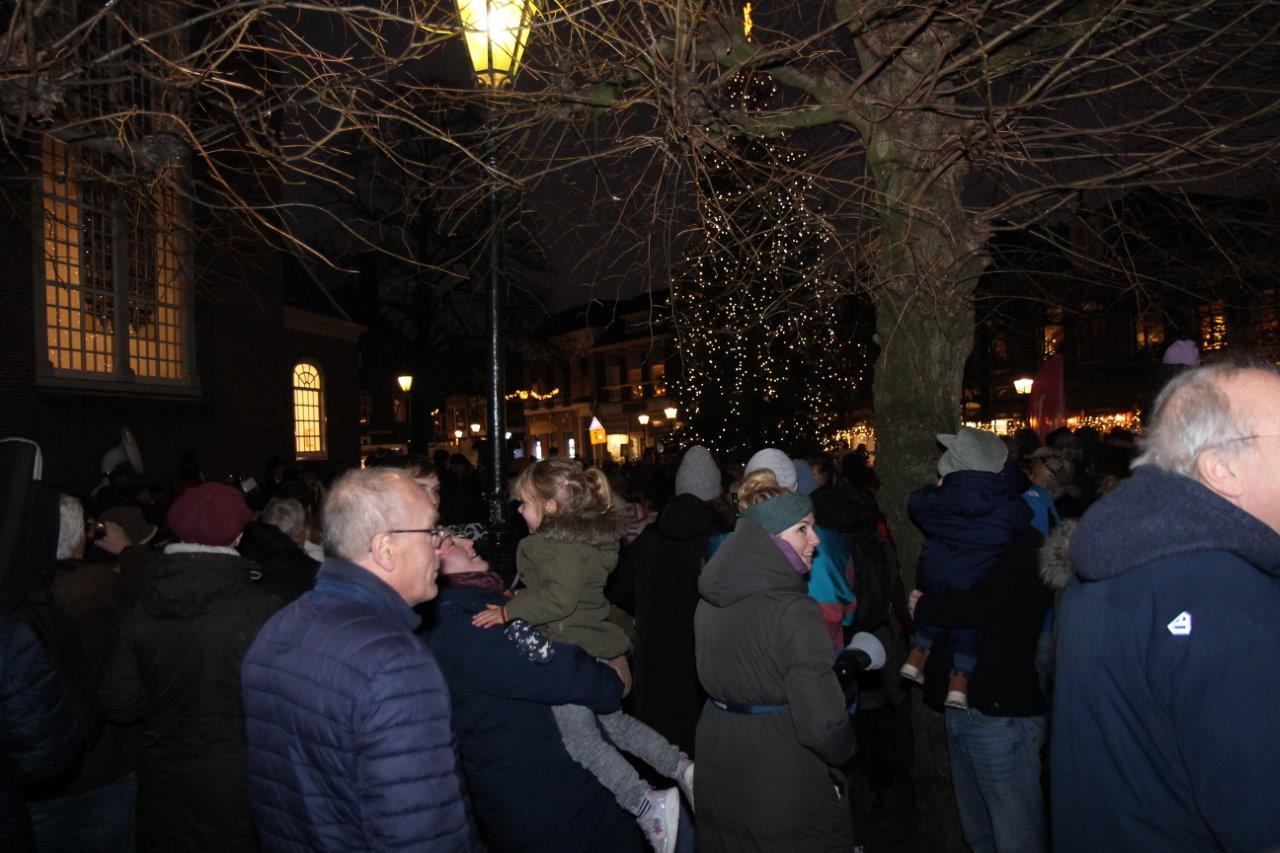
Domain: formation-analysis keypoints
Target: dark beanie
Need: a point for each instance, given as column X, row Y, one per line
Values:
column 777, row 514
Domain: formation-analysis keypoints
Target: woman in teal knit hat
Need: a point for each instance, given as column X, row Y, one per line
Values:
column 776, row 729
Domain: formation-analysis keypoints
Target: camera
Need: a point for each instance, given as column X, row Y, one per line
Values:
column 94, row 530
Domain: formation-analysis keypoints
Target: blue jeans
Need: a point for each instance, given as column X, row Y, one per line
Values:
column 97, row 820
column 995, row 770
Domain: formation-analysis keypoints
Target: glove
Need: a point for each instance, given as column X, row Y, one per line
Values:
column 863, row 654
column 530, row 642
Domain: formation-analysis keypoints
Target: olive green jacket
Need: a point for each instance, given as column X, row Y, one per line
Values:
column 564, row 567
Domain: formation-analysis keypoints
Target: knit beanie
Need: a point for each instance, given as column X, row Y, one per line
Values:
column 971, row 449
column 209, row 514
column 806, row 484
column 777, row 514
column 698, row 474
column 1182, row 352
column 777, row 462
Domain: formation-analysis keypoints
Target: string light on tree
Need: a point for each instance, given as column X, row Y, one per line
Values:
column 756, row 306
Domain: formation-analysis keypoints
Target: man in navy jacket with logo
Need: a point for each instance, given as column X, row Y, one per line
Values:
column 1168, row 690
column 346, row 712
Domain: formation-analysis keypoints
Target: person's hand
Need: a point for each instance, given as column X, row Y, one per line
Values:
column 493, row 614
column 912, row 600
column 620, row 666
column 115, row 539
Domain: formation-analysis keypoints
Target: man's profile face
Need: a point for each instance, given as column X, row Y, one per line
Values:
column 415, row 555
column 1256, row 396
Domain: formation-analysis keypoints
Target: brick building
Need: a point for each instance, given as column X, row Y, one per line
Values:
column 210, row 360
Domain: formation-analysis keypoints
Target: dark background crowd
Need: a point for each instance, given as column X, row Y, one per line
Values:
column 124, row 724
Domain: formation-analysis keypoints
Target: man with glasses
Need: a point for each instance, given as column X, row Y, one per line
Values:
column 346, row 711
column 1168, row 686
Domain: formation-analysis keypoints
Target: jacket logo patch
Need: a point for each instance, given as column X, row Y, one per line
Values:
column 1181, row 625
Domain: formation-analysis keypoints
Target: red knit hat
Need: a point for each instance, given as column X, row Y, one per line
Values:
column 209, row 514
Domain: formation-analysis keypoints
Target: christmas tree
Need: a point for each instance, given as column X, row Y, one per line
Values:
column 755, row 305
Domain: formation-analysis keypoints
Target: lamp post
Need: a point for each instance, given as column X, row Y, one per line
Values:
column 405, row 381
column 496, row 33
column 1023, row 385
column 644, row 422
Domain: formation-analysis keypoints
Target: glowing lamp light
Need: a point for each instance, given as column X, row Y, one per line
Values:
column 1023, row 385
column 457, row 433
column 671, row 412
column 643, row 419
column 406, row 383
column 475, row 428
column 508, row 435
column 497, row 32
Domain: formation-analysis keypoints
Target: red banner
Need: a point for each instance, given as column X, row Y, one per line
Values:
column 1047, row 408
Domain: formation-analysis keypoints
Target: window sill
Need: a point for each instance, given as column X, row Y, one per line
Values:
column 190, row 390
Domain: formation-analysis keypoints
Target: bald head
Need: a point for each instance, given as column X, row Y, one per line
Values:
column 1220, row 425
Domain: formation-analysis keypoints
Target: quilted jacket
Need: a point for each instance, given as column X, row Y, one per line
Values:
column 347, row 717
column 39, row 730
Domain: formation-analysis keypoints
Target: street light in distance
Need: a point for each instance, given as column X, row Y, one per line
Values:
column 1023, row 385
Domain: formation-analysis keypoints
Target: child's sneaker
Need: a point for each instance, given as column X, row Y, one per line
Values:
column 913, row 669
column 958, row 690
column 660, row 819
column 684, row 778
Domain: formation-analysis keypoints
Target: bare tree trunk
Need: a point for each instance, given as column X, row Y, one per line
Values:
column 932, row 251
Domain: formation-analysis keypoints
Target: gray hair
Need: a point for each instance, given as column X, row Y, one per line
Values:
column 70, row 526
column 1192, row 414
column 286, row 514
column 361, row 504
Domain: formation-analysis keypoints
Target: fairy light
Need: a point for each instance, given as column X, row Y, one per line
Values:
column 745, row 381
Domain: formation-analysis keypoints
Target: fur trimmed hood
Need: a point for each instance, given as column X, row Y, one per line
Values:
column 600, row 531
column 1055, row 562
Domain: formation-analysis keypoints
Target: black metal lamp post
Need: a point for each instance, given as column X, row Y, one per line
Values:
column 496, row 32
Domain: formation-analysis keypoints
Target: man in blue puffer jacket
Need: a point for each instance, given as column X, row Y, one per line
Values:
column 969, row 519
column 1164, row 718
column 346, row 712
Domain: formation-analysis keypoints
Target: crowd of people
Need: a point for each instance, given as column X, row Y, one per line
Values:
column 699, row 652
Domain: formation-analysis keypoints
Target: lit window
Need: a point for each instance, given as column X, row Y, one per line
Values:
column 106, row 251
column 1148, row 332
column 1212, row 320
column 308, row 411
column 1053, row 333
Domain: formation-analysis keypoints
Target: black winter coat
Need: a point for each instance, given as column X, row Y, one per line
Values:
column 39, row 728
column 767, row 781
column 287, row 572
column 175, row 662
column 1008, row 604
column 657, row 581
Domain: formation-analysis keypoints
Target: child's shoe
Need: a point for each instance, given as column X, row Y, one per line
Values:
column 660, row 819
column 958, row 690
column 913, row 669
column 684, row 778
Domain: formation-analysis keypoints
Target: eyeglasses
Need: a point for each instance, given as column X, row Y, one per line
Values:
column 1247, row 438
column 437, row 534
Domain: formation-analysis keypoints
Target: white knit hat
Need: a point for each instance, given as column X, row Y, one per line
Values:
column 777, row 462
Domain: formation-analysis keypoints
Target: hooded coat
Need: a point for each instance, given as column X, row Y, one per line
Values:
column 1164, row 716
column 287, row 571
column 565, row 566
column 657, row 581
column 767, row 781
column 175, row 662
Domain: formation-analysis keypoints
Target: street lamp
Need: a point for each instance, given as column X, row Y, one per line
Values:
column 644, row 422
column 671, row 412
column 406, row 383
column 1023, row 385
column 496, row 32
column 406, row 386
column 475, row 428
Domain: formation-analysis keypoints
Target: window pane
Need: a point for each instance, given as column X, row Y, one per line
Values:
column 308, row 410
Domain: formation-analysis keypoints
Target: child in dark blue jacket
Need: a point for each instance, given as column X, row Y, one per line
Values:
column 969, row 517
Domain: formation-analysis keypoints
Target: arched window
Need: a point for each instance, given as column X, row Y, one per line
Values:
column 308, row 411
